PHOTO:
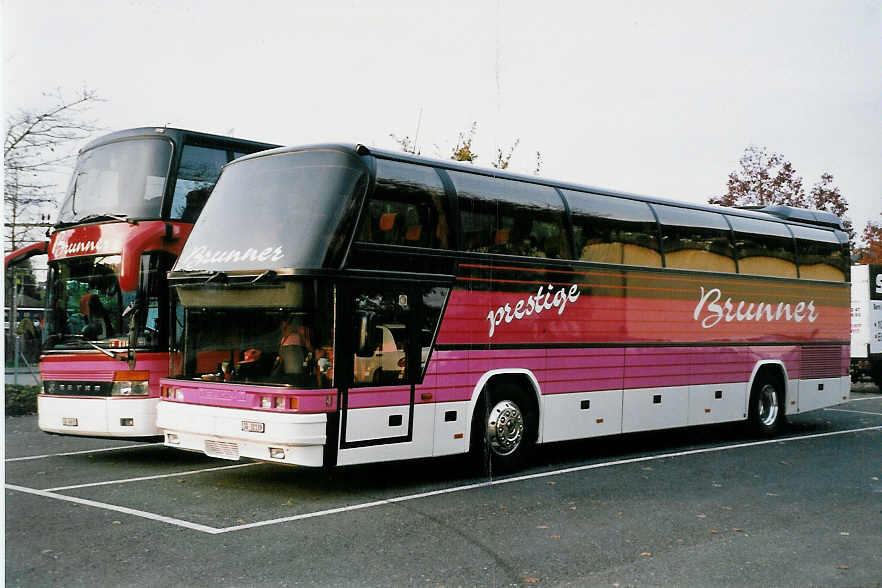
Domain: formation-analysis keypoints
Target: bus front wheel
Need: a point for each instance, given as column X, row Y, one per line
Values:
column 766, row 410
column 503, row 430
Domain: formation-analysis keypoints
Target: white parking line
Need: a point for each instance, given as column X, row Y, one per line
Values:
column 865, row 398
column 82, row 452
column 593, row 466
column 853, row 411
column 451, row 490
column 112, row 507
column 156, row 477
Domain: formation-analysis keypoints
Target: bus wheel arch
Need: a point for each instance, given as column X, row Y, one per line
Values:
column 504, row 420
column 767, row 401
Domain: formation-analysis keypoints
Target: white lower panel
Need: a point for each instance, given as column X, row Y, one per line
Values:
column 822, row 392
column 218, row 432
column 384, row 422
column 452, row 422
column 419, row 446
column 717, row 403
column 582, row 414
column 647, row 409
column 792, row 397
column 97, row 417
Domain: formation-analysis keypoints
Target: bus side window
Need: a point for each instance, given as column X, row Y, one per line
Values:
column 820, row 254
column 607, row 229
column 764, row 248
column 513, row 218
column 408, row 207
column 696, row 239
column 197, row 174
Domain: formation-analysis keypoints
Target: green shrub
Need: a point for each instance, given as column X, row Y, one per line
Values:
column 21, row 399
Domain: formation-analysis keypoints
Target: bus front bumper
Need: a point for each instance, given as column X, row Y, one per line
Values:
column 232, row 433
column 98, row 417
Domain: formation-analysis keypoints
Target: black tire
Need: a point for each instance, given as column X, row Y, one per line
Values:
column 503, row 430
column 765, row 413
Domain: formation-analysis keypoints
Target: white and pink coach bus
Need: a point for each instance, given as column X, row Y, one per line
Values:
column 340, row 305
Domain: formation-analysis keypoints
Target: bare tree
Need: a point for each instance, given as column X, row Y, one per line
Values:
column 503, row 158
column 37, row 144
column 464, row 150
column 406, row 143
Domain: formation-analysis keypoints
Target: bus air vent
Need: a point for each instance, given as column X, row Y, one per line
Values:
column 222, row 450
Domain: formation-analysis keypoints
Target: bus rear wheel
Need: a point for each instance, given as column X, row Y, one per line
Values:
column 503, row 430
column 766, row 410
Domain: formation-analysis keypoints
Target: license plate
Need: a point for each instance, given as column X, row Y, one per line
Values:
column 253, row 427
column 69, row 421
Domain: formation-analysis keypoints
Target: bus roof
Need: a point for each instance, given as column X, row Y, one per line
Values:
column 175, row 133
column 777, row 213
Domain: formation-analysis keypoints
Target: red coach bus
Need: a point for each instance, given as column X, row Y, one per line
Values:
column 344, row 305
column 130, row 206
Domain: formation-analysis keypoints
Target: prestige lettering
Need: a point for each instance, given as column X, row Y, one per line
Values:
column 543, row 300
column 203, row 255
column 710, row 311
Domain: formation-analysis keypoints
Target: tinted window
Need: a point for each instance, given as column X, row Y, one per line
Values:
column 613, row 230
column 695, row 239
column 408, row 207
column 764, row 248
column 120, row 178
column 514, row 218
column 291, row 209
column 820, row 254
column 199, row 170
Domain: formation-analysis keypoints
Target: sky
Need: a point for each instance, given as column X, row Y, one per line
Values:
column 650, row 97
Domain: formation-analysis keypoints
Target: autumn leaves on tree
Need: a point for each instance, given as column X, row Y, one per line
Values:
column 765, row 178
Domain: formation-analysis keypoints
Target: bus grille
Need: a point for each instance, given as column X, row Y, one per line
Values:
column 222, row 450
column 821, row 361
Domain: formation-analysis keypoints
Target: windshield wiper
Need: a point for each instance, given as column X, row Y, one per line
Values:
column 120, row 217
column 268, row 274
column 107, row 352
column 218, row 275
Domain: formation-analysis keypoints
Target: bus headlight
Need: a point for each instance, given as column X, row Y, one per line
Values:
column 129, row 388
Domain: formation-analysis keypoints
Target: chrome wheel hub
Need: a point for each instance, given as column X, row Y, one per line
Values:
column 505, row 428
column 768, row 405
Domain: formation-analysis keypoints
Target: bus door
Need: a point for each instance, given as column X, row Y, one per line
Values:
column 378, row 341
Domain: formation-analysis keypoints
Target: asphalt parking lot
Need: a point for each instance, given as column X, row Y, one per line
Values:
column 697, row 507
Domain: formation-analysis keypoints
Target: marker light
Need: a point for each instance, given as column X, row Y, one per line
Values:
column 172, row 438
column 277, row 453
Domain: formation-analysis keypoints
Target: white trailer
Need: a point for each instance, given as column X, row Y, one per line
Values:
column 866, row 322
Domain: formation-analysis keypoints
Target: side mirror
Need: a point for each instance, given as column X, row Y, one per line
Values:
column 132, row 308
column 133, row 341
column 365, row 334
column 131, row 314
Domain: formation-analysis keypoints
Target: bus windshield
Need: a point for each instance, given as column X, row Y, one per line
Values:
column 86, row 304
column 121, row 179
column 294, row 205
column 280, row 335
